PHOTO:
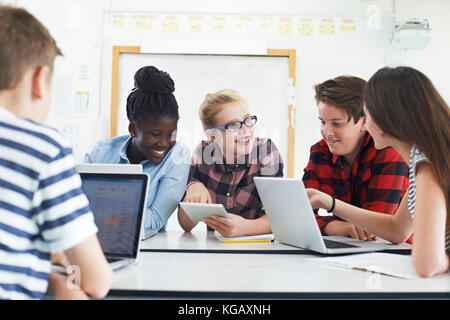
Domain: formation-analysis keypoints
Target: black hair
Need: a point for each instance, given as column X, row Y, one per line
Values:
column 152, row 96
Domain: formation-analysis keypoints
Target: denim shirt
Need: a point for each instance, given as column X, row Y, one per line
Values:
column 167, row 179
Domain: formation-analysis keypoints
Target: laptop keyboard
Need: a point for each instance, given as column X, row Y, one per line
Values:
column 330, row 244
column 113, row 259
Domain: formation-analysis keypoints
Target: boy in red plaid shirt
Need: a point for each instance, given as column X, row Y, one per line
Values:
column 346, row 164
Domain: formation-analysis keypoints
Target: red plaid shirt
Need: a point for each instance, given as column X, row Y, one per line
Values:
column 377, row 181
column 234, row 186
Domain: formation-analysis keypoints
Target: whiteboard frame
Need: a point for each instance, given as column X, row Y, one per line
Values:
column 289, row 53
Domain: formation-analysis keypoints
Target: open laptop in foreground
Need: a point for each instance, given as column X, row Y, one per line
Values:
column 118, row 201
column 292, row 220
column 115, row 168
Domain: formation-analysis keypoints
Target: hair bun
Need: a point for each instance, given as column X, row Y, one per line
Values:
column 151, row 80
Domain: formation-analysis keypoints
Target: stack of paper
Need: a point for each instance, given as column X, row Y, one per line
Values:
column 395, row 265
column 256, row 238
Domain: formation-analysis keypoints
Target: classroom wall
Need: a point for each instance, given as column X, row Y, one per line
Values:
column 87, row 30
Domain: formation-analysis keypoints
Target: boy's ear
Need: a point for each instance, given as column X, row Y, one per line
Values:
column 41, row 83
column 363, row 124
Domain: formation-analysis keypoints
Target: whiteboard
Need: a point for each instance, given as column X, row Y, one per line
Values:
column 261, row 80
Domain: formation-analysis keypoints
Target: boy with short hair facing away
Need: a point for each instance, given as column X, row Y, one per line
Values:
column 42, row 206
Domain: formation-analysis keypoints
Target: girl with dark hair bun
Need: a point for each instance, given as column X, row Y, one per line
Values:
column 153, row 114
column 152, row 96
column 405, row 111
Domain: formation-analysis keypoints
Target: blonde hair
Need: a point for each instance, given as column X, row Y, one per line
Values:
column 214, row 103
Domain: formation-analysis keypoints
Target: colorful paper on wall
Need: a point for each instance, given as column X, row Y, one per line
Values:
column 171, row 24
column 218, row 23
column 143, row 22
column 348, row 25
column 326, row 26
column 306, row 27
column 285, row 26
column 265, row 23
column 195, row 23
column 118, row 20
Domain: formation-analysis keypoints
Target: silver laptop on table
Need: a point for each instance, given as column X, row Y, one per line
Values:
column 293, row 222
column 118, row 201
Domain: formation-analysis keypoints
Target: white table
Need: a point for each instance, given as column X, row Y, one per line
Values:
column 206, row 242
column 176, row 264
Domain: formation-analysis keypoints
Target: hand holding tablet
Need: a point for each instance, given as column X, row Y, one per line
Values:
column 198, row 211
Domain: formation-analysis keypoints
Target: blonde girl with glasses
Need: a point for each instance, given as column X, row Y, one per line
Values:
column 223, row 167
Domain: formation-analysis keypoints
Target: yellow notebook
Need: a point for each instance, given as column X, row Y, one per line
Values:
column 245, row 239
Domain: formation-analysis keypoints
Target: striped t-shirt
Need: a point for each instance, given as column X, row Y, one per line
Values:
column 42, row 206
column 415, row 157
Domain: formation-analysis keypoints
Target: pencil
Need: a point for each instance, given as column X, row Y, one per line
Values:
column 244, row 241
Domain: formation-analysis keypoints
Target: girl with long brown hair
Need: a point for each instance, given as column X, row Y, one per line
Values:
column 405, row 111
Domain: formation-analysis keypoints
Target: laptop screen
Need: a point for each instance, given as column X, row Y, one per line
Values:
column 117, row 201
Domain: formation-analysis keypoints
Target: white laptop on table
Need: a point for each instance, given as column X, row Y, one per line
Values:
column 118, row 201
column 293, row 222
column 108, row 168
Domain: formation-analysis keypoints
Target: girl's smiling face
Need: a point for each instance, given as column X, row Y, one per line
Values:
column 236, row 144
column 154, row 138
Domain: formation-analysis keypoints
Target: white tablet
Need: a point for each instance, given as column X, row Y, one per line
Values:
column 198, row 211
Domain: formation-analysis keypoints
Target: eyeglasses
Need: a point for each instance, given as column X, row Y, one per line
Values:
column 235, row 126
